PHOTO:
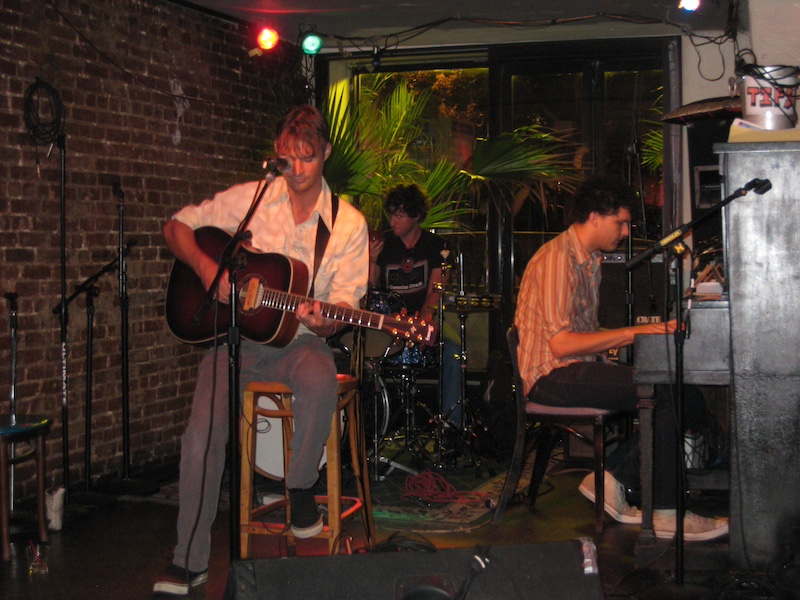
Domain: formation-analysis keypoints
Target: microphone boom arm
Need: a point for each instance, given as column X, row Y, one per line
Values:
column 759, row 186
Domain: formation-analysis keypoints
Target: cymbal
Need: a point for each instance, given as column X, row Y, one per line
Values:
column 723, row 107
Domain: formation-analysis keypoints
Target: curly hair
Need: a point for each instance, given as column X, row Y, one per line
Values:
column 603, row 195
column 408, row 198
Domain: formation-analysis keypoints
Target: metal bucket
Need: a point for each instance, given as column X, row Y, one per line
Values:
column 768, row 96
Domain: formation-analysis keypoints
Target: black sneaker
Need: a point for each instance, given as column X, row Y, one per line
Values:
column 306, row 520
column 177, row 581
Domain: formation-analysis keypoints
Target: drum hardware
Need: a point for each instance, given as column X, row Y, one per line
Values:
column 463, row 304
column 401, row 361
column 410, row 441
column 376, row 408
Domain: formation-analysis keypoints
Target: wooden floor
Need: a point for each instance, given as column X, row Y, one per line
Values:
column 115, row 547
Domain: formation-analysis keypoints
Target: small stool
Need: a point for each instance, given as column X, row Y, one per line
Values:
column 22, row 428
column 250, row 518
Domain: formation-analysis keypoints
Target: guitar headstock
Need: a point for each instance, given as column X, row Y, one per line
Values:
column 411, row 329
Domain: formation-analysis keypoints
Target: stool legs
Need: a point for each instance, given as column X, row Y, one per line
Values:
column 4, row 501
column 599, row 475
column 40, row 488
column 248, row 519
column 358, row 459
column 5, row 492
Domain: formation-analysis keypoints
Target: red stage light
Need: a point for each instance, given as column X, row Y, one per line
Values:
column 268, row 38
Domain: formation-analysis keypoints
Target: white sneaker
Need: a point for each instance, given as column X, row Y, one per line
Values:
column 614, row 501
column 695, row 527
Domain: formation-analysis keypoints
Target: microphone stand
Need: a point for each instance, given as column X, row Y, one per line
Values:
column 91, row 290
column 673, row 243
column 126, row 485
column 12, row 395
column 123, row 306
column 231, row 260
column 61, row 311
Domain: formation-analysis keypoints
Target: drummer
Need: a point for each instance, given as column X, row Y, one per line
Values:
column 409, row 261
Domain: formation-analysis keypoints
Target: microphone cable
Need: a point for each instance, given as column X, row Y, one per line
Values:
column 41, row 97
column 206, row 451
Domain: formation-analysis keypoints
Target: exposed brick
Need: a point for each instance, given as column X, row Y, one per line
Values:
column 119, row 125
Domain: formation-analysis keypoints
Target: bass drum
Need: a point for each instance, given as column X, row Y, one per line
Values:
column 269, row 442
column 375, row 407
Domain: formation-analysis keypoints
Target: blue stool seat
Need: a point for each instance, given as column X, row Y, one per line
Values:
column 22, row 428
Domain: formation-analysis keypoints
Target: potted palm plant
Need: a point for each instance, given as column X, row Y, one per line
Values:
column 376, row 145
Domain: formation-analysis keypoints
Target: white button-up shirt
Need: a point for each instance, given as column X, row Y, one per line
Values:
column 343, row 273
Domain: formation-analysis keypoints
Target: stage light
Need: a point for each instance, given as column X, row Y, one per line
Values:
column 689, row 5
column 268, row 38
column 310, row 42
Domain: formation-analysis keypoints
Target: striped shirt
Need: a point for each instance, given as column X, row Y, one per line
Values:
column 559, row 291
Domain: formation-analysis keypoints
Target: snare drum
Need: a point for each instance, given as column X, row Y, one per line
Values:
column 414, row 355
column 377, row 343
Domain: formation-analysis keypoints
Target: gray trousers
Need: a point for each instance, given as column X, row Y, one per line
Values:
column 307, row 367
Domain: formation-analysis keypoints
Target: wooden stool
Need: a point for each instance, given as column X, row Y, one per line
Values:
column 23, row 428
column 250, row 518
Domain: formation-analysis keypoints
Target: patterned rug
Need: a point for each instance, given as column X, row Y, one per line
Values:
column 476, row 499
column 442, row 501
column 421, row 515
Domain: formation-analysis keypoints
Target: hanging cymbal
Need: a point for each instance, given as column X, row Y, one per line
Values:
column 723, row 107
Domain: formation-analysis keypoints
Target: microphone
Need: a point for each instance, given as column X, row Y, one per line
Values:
column 281, row 165
column 759, row 186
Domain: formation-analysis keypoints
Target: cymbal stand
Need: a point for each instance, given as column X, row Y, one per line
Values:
column 464, row 430
column 462, row 317
column 440, row 418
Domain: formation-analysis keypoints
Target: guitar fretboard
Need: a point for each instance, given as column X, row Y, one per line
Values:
column 285, row 301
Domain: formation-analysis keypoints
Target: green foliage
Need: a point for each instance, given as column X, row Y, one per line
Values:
column 529, row 163
column 380, row 141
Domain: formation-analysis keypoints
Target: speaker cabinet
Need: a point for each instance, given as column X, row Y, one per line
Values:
column 524, row 572
column 648, row 291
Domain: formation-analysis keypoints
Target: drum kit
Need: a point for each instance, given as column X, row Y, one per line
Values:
column 398, row 419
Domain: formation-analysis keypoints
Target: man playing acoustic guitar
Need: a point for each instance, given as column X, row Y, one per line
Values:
column 286, row 222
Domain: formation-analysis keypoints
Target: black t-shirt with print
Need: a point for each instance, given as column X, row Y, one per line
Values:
column 407, row 272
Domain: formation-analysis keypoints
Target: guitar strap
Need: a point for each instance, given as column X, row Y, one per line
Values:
column 322, row 240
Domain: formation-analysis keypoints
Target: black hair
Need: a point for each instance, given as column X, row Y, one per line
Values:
column 600, row 194
column 408, row 198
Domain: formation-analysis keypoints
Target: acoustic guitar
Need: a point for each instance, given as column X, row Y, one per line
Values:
column 270, row 288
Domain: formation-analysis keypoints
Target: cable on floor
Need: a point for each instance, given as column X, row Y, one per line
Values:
column 432, row 487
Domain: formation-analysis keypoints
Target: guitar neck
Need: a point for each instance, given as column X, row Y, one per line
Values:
column 257, row 296
column 288, row 302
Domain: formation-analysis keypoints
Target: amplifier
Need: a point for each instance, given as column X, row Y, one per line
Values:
column 563, row 570
column 648, row 291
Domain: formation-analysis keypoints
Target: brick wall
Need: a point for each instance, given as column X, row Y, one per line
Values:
column 166, row 101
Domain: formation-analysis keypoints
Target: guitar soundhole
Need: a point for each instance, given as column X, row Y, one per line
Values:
column 251, row 294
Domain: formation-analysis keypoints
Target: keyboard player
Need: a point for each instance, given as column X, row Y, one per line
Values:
column 560, row 341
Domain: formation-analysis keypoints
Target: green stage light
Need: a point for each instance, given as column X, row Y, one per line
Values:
column 311, row 43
